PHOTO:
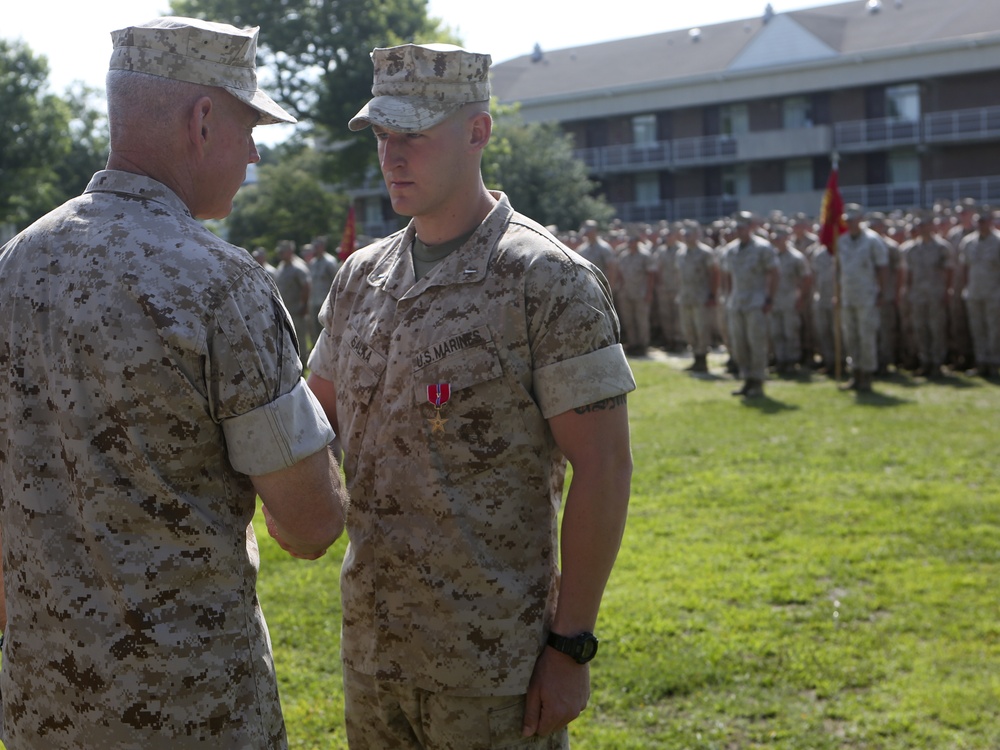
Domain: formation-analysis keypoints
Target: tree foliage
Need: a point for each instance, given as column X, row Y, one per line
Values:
column 49, row 146
column 314, row 56
column 288, row 201
column 534, row 164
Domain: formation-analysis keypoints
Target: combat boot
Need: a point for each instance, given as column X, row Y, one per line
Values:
column 744, row 390
column 756, row 389
column 700, row 363
column 852, row 384
column 864, row 382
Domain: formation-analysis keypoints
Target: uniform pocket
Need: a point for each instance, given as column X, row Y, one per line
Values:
column 471, row 428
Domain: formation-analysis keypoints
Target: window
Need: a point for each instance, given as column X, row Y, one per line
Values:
column 736, row 180
column 798, row 113
column 647, row 189
column 904, row 167
column 644, row 129
column 373, row 212
column 903, row 102
column 798, row 176
column 735, row 119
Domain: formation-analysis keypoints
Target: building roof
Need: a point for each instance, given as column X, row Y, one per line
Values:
column 753, row 46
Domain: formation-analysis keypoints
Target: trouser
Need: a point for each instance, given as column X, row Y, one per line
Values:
column 785, row 327
column 634, row 314
column 958, row 344
column 301, row 334
column 720, row 323
column 748, row 342
column 888, row 335
column 315, row 327
column 984, row 325
column 668, row 315
column 930, row 326
column 696, row 324
column 808, row 332
column 907, row 340
column 859, row 324
column 381, row 714
column 823, row 333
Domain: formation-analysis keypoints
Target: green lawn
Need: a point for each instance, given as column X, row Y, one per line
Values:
column 813, row 570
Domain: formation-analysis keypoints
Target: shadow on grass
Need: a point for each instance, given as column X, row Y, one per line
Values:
column 767, row 405
column 879, row 399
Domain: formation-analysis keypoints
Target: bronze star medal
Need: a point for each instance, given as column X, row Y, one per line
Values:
column 438, row 395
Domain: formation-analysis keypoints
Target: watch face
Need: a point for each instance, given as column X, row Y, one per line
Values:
column 588, row 650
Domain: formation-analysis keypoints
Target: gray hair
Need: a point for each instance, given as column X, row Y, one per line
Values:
column 152, row 101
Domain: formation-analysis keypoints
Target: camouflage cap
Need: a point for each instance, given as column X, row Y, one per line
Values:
column 416, row 86
column 853, row 211
column 196, row 51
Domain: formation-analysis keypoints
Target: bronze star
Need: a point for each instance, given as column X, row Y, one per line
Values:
column 437, row 422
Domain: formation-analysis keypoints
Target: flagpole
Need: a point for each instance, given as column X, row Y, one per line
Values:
column 837, row 333
column 837, row 330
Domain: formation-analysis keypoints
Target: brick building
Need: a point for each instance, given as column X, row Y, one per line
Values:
column 698, row 123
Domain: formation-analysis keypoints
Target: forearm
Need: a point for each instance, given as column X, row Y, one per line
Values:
column 592, row 529
column 304, row 505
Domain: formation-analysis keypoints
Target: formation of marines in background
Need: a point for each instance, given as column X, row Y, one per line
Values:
column 919, row 292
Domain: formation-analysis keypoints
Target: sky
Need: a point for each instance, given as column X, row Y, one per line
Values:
column 75, row 36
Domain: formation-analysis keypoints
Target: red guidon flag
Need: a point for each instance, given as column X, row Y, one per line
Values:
column 831, row 214
column 349, row 238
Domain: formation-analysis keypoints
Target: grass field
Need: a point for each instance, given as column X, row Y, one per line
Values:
column 811, row 570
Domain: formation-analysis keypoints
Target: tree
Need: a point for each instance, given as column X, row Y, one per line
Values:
column 89, row 139
column 49, row 146
column 315, row 56
column 287, row 201
column 534, row 164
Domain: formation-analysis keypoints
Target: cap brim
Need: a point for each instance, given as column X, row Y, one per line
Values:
column 270, row 112
column 403, row 114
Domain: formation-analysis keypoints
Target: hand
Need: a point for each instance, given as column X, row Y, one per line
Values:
column 557, row 694
column 275, row 531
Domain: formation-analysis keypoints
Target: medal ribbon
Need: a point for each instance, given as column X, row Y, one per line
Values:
column 438, row 394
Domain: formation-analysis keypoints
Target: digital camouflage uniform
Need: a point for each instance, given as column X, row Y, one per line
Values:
column 695, row 263
column 980, row 257
column 443, row 390
column 824, row 290
column 147, row 368
column 889, row 319
column 600, row 253
column 322, row 269
column 860, row 259
column 785, row 321
column 665, row 291
column 748, row 267
column 292, row 278
column 633, row 298
column 928, row 265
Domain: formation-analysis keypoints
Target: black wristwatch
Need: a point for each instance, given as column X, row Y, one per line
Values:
column 581, row 648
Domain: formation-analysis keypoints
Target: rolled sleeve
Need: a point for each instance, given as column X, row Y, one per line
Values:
column 571, row 383
column 278, row 434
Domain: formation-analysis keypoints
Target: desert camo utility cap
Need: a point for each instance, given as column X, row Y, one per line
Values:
column 188, row 49
column 416, row 86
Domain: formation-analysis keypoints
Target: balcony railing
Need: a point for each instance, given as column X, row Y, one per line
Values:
column 699, row 209
column 981, row 189
column 881, row 132
column 962, row 125
column 709, row 149
column 857, row 135
column 883, row 197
